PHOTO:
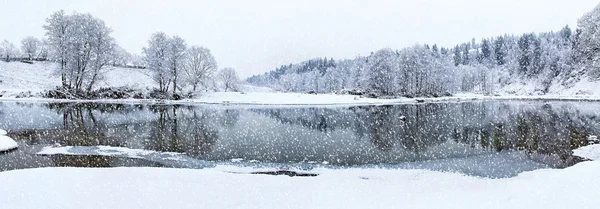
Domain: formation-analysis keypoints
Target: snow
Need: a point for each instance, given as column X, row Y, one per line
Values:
column 591, row 152
column 17, row 78
column 6, row 143
column 232, row 187
column 131, row 77
column 286, row 99
column 584, row 86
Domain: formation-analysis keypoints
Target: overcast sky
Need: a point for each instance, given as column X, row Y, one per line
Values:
column 257, row 36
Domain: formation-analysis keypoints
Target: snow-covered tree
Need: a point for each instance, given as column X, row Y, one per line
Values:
column 588, row 41
column 156, row 57
column 122, row 57
column 82, row 45
column 381, row 67
column 57, row 29
column 199, row 65
column 177, row 48
column 229, row 79
column 103, row 51
column 30, row 46
column 43, row 49
column 9, row 51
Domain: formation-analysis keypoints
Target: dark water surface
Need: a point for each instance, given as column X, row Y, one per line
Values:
column 485, row 138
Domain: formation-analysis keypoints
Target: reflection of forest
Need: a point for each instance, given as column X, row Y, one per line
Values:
column 155, row 127
column 495, row 126
column 188, row 130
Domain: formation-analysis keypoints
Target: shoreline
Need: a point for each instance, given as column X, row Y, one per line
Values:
column 308, row 101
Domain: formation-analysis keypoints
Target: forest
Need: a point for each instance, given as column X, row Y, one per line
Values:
column 484, row 67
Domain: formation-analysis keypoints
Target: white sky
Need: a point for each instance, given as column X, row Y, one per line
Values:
column 257, row 36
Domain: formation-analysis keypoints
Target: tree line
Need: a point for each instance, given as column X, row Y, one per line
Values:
column 84, row 49
column 545, row 59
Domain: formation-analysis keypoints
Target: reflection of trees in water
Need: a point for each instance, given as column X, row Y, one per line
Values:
column 230, row 117
column 169, row 128
column 186, row 130
column 80, row 126
column 534, row 130
column 382, row 125
column 320, row 119
column 422, row 126
column 493, row 126
column 203, row 136
column 409, row 126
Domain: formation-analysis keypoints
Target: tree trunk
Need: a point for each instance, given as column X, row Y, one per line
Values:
column 174, row 81
column 63, row 76
column 92, row 82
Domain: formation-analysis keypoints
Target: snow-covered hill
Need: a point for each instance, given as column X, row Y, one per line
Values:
column 18, row 77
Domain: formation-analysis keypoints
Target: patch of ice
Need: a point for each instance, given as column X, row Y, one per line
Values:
column 171, row 159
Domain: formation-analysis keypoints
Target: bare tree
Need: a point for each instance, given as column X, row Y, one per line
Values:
column 30, row 46
column 43, row 51
column 9, row 50
column 229, row 79
column 199, row 66
column 121, row 57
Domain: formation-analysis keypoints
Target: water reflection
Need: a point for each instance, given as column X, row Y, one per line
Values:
column 545, row 132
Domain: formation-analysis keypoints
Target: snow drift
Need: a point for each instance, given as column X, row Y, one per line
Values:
column 6, row 143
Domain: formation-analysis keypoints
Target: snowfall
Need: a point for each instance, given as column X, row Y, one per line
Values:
column 23, row 82
column 229, row 186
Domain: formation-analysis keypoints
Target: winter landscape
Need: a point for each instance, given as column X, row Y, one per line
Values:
column 148, row 104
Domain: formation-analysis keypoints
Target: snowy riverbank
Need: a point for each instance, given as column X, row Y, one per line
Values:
column 278, row 98
column 232, row 187
column 6, row 143
column 591, row 152
column 227, row 186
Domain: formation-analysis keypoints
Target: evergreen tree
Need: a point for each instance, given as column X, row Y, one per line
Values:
column 465, row 54
column 486, row 50
column 457, row 56
column 524, row 54
column 500, row 51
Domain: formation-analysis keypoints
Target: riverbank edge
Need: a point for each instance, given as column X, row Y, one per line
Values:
column 333, row 102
